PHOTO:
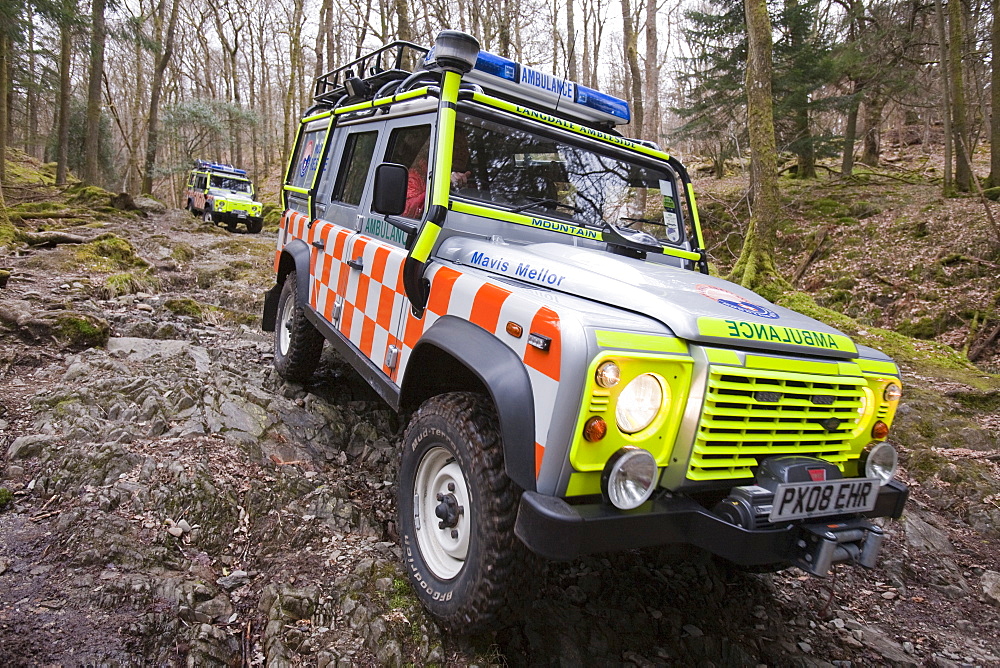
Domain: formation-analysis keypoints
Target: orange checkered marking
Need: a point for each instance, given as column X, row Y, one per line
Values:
column 441, row 287
column 546, row 323
column 539, row 454
column 486, row 306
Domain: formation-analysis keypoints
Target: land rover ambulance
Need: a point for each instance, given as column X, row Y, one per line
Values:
column 223, row 193
column 530, row 290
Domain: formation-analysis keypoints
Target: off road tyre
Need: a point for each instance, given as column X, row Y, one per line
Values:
column 297, row 344
column 206, row 215
column 456, row 513
column 255, row 225
column 190, row 208
column 231, row 224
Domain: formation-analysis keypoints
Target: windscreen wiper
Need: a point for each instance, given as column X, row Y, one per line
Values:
column 545, row 201
column 643, row 220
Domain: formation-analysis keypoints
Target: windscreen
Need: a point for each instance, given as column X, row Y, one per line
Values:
column 524, row 171
column 230, row 183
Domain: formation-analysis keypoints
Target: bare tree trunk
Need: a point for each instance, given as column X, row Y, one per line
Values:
column 31, row 133
column 5, row 44
column 851, row 133
column 994, row 179
column 651, row 111
column 874, row 104
column 92, row 138
column 959, row 124
column 630, row 43
column 945, row 98
column 571, row 42
column 755, row 267
column 152, row 132
column 62, row 141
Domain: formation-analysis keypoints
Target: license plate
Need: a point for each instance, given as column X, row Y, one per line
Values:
column 798, row 500
column 241, row 214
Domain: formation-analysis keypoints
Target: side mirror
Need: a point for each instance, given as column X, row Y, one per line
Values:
column 389, row 197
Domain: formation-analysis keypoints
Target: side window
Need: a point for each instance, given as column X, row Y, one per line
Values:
column 410, row 147
column 200, row 182
column 353, row 173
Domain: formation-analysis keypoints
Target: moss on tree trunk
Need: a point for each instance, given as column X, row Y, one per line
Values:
column 755, row 268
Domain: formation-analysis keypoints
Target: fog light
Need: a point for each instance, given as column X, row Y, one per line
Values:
column 629, row 478
column 595, row 429
column 880, row 429
column 892, row 392
column 880, row 461
column 608, row 374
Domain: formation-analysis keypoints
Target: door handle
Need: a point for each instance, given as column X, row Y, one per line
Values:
column 319, row 244
column 358, row 264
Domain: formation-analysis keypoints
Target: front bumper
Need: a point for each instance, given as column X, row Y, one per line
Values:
column 557, row 530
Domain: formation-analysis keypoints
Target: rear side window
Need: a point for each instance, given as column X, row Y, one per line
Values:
column 353, row 173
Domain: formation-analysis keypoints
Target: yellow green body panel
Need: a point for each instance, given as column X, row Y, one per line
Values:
column 674, row 374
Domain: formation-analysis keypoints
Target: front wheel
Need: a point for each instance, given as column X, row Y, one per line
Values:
column 206, row 216
column 297, row 344
column 456, row 512
column 255, row 225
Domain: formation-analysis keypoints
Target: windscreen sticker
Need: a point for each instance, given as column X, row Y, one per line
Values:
column 734, row 301
column 740, row 329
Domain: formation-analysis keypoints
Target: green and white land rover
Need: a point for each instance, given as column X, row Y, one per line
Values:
column 530, row 289
column 223, row 193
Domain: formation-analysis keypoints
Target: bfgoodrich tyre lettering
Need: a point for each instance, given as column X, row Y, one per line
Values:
column 462, row 558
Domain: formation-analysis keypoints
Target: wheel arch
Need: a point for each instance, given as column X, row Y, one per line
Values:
column 294, row 257
column 456, row 355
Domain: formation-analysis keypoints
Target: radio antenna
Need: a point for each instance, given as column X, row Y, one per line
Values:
column 565, row 82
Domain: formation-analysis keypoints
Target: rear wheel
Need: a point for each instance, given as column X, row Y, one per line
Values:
column 297, row 344
column 456, row 512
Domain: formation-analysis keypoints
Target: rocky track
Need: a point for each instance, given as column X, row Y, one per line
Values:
column 175, row 503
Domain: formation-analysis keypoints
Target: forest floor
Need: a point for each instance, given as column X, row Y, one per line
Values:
column 174, row 502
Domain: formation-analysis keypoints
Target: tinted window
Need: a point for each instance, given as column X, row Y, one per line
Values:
column 353, row 173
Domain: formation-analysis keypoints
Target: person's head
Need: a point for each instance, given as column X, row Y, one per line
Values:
column 411, row 145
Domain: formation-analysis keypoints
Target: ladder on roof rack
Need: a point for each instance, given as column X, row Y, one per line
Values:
column 392, row 62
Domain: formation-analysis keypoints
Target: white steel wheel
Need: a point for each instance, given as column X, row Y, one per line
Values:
column 285, row 324
column 442, row 513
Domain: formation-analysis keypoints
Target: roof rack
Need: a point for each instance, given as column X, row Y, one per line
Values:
column 365, row 78
column 392, row 62
column 219, row 167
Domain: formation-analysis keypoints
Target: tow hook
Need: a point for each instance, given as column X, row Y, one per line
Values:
column 823, row 545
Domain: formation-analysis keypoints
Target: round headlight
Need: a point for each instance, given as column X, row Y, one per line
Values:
column 608, row 374
column 638, row 403
column 881, row 461
column 629, row 478
column 892, row 392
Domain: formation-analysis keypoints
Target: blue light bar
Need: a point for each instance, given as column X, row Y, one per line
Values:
column 498, row 66
column 546, row 92
column 219, row 167
column 599, row 101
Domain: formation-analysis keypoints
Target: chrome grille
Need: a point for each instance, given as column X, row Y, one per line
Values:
column 750, row 413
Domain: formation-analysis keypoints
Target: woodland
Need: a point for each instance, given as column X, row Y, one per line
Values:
column 125, row 94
